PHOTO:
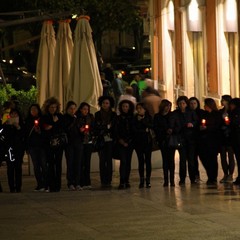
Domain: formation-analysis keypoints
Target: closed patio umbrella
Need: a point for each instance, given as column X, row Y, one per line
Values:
column 45, row 62
column 62, row 61
column 85, row 82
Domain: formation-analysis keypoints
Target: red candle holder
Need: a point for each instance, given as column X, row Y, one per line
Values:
column 227, row 120
column 203, row 122
column 36, row 123
column 86, row 128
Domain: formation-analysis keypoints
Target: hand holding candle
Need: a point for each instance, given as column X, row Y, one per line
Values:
column 226, row 120
column 36, row 123
column 86, row 128
column 203, row 122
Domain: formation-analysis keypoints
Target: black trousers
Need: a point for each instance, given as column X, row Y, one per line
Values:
column 14, row 173
column 209, row 160
column 86, row 165
column 125, row 163
column 187, row 156
column 105, row 163
column 73, row 154
column 54, row 160
column 168, row 162
column 227, row 160
column 144, row 154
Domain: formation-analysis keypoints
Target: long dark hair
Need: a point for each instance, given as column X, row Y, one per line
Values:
column 211, row 104
column 29, row 115
column 164, row 103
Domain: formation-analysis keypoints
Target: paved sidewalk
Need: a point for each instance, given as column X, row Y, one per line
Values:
column 180, row 213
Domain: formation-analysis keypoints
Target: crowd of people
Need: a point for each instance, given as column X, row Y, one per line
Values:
column 132, row 120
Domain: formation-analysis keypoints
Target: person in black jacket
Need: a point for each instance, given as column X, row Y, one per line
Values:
column 74, row 146
column 194, row 105
column 226, row 153
column 104, row 129
column 234, row 116
column 183, row 123
column 87, row 119
column 34, row 146
column 142, row 125
column 53, row 125
column 124, row 138
column 209, row 139
column 162, row 130
column 13, row 130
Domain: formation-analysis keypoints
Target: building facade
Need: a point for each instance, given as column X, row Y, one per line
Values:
column 195, row 47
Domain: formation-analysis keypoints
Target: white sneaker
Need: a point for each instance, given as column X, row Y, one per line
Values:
column 79, row 188
column 71, row 188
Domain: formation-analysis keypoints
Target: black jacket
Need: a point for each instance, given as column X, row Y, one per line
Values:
column 141, row 130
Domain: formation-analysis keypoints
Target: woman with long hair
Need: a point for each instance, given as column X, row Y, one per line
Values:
column 124, row 138
column 142, row 141
column 53, row 125
column 194, row 105
column 104, row 126
column 226, row 152
column 34, row 145
column 209, row 139
column 74, row 147
column 87, row 121
column 163, row 131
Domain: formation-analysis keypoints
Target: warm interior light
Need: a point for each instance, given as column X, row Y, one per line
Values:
column 231, row 13
column 170, row 17
column 193, row 11
column 171, row 11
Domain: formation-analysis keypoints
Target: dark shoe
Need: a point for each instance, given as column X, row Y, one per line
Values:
column 127, row 185
column 211, row 183
column 237, row 181
column 172, row 184
column 193, row 182
column 181, row 182
column 1, row 190
column 141, row 185
column 121, row 186
column 165, row 184
column 148, row 185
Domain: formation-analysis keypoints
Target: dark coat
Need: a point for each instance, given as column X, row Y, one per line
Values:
column 210, row 138
column 141, row 130
column 124, row 128
column 178, row 123
column 161, row 125
column 105, row 127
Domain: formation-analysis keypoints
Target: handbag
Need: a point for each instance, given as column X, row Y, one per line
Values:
column 154, row 141
column 175, row 141
column 58, row 140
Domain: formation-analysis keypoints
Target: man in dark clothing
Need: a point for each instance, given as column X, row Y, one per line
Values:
column 109, row 72
column 106, row 85
column 134, row 85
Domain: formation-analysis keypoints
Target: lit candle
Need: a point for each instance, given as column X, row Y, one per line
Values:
column 227, row 120
column 86, row 127
column 36, row 123
column 203, row 122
